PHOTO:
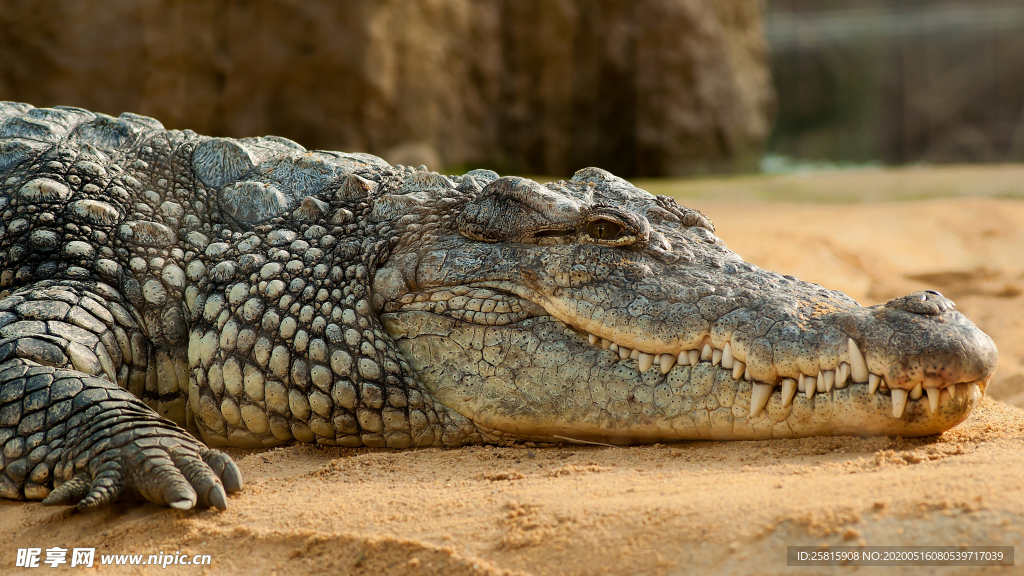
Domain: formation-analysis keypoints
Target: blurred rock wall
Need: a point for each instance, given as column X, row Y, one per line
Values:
column 639, row 87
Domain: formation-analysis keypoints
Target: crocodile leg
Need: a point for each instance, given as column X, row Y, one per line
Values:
column 69, row 433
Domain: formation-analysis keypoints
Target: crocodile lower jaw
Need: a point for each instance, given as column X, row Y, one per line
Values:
column 851, row 370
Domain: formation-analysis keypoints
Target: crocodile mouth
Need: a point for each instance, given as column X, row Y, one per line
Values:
column 943, row 395
column 851, row 370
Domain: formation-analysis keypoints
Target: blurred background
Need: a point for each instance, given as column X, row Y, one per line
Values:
column 644, row 88
column 897, row 81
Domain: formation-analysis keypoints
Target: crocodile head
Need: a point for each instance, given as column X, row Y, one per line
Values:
column 589, row 309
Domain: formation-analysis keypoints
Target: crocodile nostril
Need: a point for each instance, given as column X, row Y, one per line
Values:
column 925, row 302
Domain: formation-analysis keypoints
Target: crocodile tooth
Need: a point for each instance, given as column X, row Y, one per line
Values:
column 954, row 390
column 746, row 373
column 843, row 375
column 624, row 352
column 899, row 401
column 684, row 358
column 634, row 355
column 657, row 358
column 706, row 353
column 916, row 393
column 605, row 344
column 933, row 399
column 645, row 362
column 759, row 398
column 614, row 347
column 716, row 357
column 788, row 391
column 873, row 381
column 593, row 339
column 819, row 383
column 737, row 370
column 667, row 362
column 858, row 367
column 830, row 379
column 727, row 359
column 973, row 390
column 694, row 357
column 810, row 386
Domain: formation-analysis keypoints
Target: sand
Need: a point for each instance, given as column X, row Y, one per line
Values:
column 700, row 507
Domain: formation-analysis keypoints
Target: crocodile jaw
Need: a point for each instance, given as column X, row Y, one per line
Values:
column 540, row 379
column 538, row 360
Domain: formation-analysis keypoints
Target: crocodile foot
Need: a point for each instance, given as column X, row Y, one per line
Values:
column 161, row 466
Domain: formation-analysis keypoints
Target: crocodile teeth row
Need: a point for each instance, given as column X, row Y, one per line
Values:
column 856, row 370
column 761, row 393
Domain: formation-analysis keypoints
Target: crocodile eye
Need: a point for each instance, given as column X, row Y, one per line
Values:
column 604, row 230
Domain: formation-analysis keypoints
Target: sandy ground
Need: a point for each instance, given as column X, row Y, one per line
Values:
column 700, row 507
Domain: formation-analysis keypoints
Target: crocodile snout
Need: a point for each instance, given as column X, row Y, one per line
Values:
column 918, row 345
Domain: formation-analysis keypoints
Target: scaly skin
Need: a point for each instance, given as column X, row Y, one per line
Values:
column 255, row 294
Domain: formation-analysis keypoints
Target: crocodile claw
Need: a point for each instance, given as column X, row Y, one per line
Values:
column 167, row 470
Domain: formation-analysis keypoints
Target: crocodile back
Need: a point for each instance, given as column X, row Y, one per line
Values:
column 64, row 188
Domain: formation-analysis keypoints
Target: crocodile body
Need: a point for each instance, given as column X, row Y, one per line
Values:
column 159, row 287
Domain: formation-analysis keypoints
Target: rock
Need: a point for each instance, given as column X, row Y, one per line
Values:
column 643, row 88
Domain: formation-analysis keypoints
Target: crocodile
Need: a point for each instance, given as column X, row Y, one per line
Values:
column 165, row 294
